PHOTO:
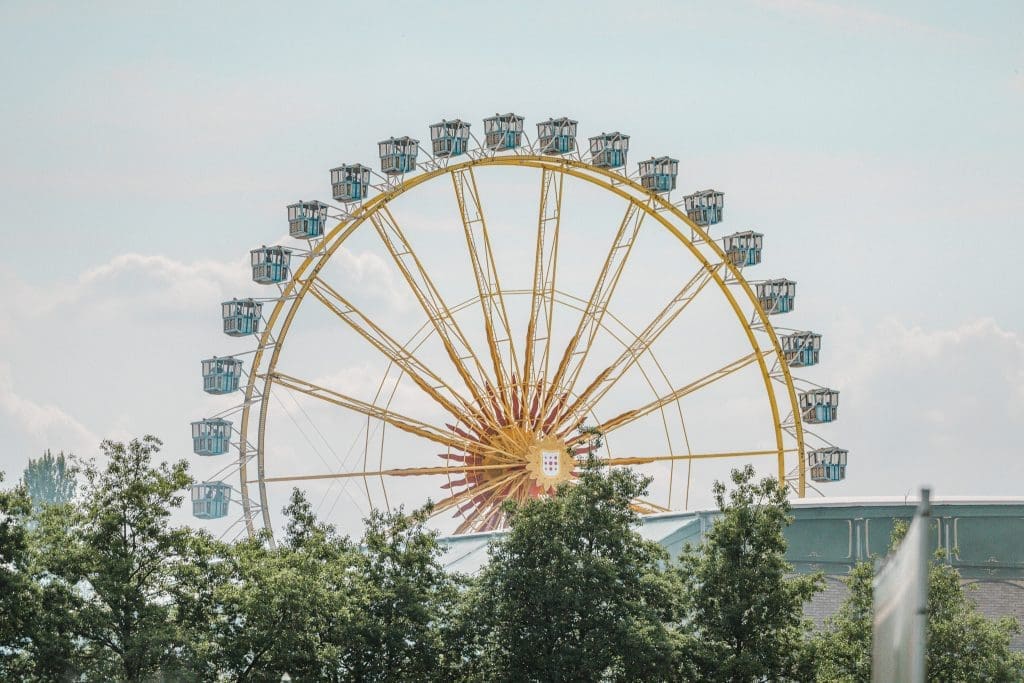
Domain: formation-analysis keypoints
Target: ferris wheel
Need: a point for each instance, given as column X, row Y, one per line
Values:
column 481, row 317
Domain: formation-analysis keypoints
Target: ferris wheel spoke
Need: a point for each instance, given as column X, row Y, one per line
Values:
column 394, row 472
column 474, row 490
column 576, row 352
column 493, row 519
column 606, row 379
column 459, row 350
column 485, row 272
column 406, row 424
column 635, row 414
column 485, row 509
column 428, row 381
column 646, row 507
column 520, row 490
column 542, row 300
column 646, row 460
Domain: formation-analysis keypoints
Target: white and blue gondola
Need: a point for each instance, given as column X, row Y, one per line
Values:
column 743, row 249
column 271, row 265
column 503, row 132
column 820, row 405
column 398, row 155
column 557, row 136
column 776, row 296
column 449, row 138
column 659, row 174
column 827, row 464
column 350, row 182
column 211, row 436
column 241, row 317
column 221, row 375
column 801, row 349
column 306, row 220
column 609, row 150
column 704, row 207
column 210, row 499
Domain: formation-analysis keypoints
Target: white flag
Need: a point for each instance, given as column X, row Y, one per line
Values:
column 901, row 602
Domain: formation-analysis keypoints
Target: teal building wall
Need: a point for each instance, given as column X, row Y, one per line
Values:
column 982, row 537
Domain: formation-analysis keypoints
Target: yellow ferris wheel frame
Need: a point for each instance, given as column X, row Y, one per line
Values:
column 653, row 205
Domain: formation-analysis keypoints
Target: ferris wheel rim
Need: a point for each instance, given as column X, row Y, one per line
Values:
column 652, row 204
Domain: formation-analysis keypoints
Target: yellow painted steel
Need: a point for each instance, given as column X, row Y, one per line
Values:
column 644, row 460
column 471, row 493
column 625, row 418
column 403, row 422
column 485, row 273
column 418, row 471
column 607, row 377
column 433, row 305
column 542, row 301
column 571, row 364
column 418, row 372
column 396, row 472
column 520, row 487
column 656, row 208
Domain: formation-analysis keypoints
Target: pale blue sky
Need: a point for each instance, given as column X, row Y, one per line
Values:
column 879, row 145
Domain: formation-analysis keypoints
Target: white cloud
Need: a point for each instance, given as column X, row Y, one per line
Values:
column 373, row 277
column 941, row 406
column 115, row 350
column 47, row 424
column 161, row 283
column 127, row 280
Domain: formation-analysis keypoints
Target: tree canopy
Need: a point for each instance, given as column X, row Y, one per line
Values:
column 963, row 645
column 742, row 606
column 573, row 592
column 103, row 587
column 50, row 479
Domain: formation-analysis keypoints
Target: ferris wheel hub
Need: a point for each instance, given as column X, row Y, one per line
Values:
column 549, row 462
column 544, row 460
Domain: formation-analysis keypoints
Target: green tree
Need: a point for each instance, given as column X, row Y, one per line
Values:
column 402, row 599
column 573, row 592
column 962, row 644
column 320, row 608
column 274, row 610
column 36, row 642
column 109, row 565
column 15, row 585
column 50, row 480
column 742, row 606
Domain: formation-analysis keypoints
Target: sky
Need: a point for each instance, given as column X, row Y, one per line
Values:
column 145, row 148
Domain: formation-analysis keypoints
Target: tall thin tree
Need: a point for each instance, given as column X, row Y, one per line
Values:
column 51, row 479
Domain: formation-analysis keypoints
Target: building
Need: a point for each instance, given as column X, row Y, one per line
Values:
column 982, row 537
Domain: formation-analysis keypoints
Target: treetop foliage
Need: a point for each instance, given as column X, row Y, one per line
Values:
column 50, row 479
column 102, row 587
column 963, row 645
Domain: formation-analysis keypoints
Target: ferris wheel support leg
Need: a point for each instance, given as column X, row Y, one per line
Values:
column 396, row 472
column 407, row 424
column 646, row 460
column 489, row 507
column 470, row 493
